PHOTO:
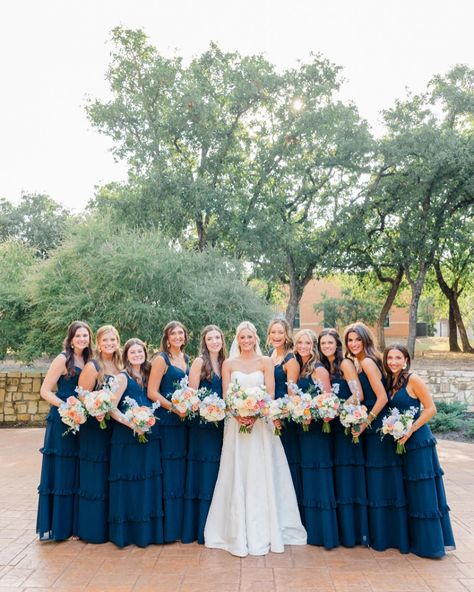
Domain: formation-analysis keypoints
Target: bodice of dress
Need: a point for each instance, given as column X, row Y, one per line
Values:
column 256, row 378
column 403, row 401
column 108, row 378
column 172, row 377
column 134, row 391
column 67, row 384
column 214, row 385
column 344, row 390
column 280, row 377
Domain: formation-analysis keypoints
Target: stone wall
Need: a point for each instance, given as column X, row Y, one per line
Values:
column 20, row 401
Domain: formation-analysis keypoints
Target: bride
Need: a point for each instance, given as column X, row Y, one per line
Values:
column 254, row 508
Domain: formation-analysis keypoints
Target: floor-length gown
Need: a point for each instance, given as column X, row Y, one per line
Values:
column 429, row 525
column 254, row 508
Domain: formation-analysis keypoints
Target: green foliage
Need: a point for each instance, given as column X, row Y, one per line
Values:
column 16, row 263
column 470, row 429
column 346, row 309
column 137, row 281
column 449, row 418
column 37, row 220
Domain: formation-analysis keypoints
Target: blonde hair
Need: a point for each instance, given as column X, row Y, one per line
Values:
column 308, row 366
column 235, row 348
column 286, row 326
column 116, row 357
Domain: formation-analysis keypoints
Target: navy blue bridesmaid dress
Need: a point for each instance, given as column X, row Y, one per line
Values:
column 349, row 480
column 173, row 454
column 93, row 488
column 388, row 527
column 58, row 483
column 429, row 525
column 204, row 453
column 319, row 515
column 289, row 433
column 136, row 480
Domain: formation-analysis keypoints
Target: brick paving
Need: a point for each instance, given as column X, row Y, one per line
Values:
column 73, row 566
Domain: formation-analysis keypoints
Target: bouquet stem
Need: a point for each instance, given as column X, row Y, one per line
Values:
column 326, row 427
column 401, row 448
column 142, row 438
column 245, row 429
column 103, row 424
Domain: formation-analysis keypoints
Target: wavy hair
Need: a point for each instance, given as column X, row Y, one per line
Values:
column 69, row 349
column 308, row 366
column 144, row 367
column 395, row 385
column 116, row 357
column 338, row 356
column 368, row 342
column 288, row 333
column 207, row 370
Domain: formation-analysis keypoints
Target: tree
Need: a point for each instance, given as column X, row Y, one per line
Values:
column 182, row 131
column 17, row 262
column 37, row 220
column 346, row 309
column 137, row 281
column 454, row 267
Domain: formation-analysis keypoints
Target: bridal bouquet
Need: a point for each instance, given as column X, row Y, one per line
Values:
column 351, row 416
column 98, row 404
column 326, row 406
column 300, row 406
column 397, row 425
column 278, row 410
column 141, row 416
column 185, row 400
column 251, row 402
column 72, row 412
column 212, row 407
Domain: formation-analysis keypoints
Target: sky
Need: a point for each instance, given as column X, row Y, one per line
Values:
column 54, row 54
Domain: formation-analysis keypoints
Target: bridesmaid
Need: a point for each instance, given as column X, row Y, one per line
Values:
column 319, row 499
column 136, row 492
column 58, row 485
column 94, row 443
column 286, row 370
column 383, row 471
column 169, row 367
column 205, row 439
column 429, row 526
column 349, row 465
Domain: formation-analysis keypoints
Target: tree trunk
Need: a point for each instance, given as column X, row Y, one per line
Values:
column 201, row 232
column 395, row 284
column 416, row 289
column 296, row 287
column 453, row 330
column 455, row 317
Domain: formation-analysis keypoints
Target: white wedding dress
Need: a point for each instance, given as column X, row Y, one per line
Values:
column 254, row 508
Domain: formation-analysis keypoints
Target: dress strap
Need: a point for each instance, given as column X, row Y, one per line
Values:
column 289, row 356
column 165, row 357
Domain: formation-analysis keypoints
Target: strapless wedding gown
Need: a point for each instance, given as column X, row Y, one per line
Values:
column 254, row 508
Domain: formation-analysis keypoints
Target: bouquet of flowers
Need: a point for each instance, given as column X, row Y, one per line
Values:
column 326, row 406
column 185, row 400
column 247, row 402
column 300, row 406
column 141, row 416
column 98, row 404
column 279, row 409
column 73, row 414
column 397, row 425
column 212, row 407
column 351, row 416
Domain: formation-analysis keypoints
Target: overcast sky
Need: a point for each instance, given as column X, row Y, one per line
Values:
column 54, row 53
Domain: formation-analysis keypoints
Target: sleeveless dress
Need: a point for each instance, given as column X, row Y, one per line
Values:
column 58, row 483
column 349, row 480
column 429, row 525
column 289, row 433
column 319, row 498
column 173, row 454
column 93, row 488
column 204, row 453
column 388, row 527
column 254, row 508
column 136, row 488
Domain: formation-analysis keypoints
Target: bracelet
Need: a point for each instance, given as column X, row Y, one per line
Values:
column 373, row 416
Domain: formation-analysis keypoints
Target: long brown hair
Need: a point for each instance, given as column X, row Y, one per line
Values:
column 69, row 349
column 207, row 371
column 395, row 385
column 288, row 333
column 144, row 368
column 116, row 358
column 308, row 366
column 338, row 356
column 367, row 340
column 164, row 345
